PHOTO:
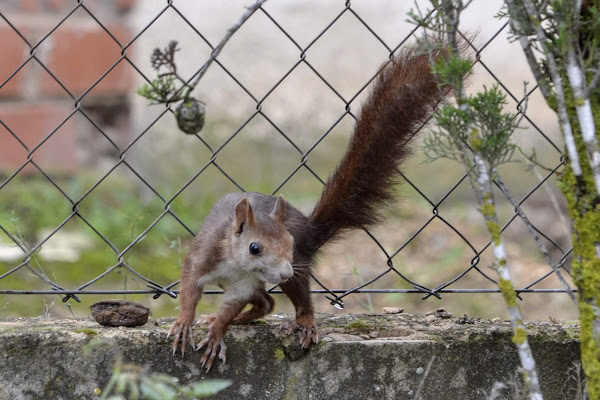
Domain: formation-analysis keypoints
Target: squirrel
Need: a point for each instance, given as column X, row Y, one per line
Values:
column 250, row 239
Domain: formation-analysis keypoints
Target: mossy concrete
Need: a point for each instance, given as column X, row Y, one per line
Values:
column 359, row 357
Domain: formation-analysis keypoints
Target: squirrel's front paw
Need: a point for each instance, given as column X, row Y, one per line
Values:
column 307, row 327
column 182, row 332
column 213, row 341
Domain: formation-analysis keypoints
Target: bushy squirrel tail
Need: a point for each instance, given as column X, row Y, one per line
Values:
column 403, row 97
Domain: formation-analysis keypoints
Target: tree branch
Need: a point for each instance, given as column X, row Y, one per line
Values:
column 526, row 45
column 534, row 19
column 585, row 115
column 594, row 81
column 213, row 55
column 535, row 235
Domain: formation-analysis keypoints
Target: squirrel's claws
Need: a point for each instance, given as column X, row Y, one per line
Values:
column 183, row 343
column 182, row 333
column 212, row 350
column 222, row 353
column 308, row 332
column 203, row 342
column 190, row 336
column 175, row 343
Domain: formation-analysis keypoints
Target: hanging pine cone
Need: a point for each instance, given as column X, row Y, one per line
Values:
column 190, row 116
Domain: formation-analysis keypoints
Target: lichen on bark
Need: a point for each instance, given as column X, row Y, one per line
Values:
column 508, row 292
column 584, row 210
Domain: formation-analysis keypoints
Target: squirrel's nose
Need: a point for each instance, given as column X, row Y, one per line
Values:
column 287, row 272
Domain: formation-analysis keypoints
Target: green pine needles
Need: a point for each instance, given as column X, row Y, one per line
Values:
column 479, row 123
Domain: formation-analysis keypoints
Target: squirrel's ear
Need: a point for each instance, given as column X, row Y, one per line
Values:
column 243, row 215
column 278, row 213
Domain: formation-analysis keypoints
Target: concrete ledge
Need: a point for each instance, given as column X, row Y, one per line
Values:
column 359, row 357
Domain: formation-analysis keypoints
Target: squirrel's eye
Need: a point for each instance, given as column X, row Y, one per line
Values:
column 254, row 248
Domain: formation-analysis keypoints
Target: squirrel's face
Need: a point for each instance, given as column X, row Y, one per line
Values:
column 261, row 245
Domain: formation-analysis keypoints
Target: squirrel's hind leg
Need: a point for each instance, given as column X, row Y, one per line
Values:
column 262, row 304
column 298, row 290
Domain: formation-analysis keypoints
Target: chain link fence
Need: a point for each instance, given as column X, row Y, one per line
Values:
column 46, row 282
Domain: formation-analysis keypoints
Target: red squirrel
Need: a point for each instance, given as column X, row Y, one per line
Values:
column 250, row 239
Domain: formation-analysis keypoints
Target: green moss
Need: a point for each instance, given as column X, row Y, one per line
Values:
column 502, row 262
column 488, row 210
column 572, row 333
column 584, row 211
column 552, row 102
column 358, row 325
column 87, row 331
column 520, row 336
column 508, row 292
column 543, row 337
column 494, row 230
column 475, row 141
column 292, row 391
column 279, row 354
column 589, row 350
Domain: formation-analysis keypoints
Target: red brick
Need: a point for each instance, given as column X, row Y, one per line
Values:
column 78, row 57
column 12, row 54
column 30, row 5
column 58, row 5
column 125, row 5
column 32, row 123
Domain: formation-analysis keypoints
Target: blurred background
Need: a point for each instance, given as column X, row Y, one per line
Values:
column 87, row 166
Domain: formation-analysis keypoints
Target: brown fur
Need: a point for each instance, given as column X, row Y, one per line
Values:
column 403, row 98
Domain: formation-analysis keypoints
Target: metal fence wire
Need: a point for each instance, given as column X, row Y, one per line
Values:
column 32, row 264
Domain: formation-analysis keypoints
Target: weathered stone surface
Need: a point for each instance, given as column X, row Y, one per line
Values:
column 68, row 359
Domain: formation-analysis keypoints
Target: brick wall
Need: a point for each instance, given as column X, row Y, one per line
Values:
column 46, row 80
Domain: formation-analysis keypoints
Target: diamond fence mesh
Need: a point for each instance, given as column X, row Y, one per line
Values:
column 31, row 270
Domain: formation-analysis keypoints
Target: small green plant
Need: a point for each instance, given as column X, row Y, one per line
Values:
column 131, row 382
column 170, row 87
column 163, row 89
column 476, row 132
column 491, row 137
